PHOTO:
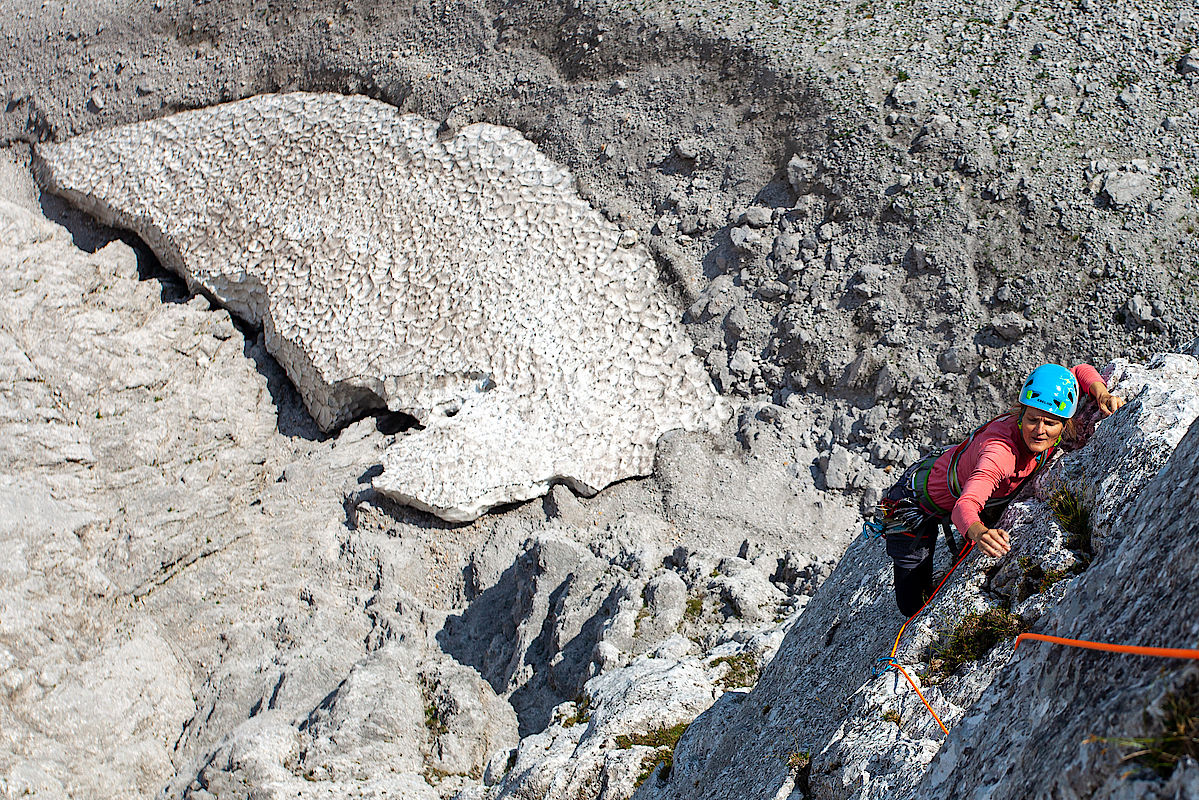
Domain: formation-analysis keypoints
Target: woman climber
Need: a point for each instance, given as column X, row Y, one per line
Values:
column 972, row 483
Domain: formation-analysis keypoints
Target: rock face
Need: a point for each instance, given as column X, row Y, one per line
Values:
column 873, row 213
column 819, row 725
column 460, row 280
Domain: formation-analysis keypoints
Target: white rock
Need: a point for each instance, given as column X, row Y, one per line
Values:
column 800, row 172
column 741, row 363
column 836, row 468
column 1139, row 310
column 745, row 238
column 757, row 216
column 688, row 149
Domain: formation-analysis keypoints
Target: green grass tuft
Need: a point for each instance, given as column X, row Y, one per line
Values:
column 582, row 712
column 663, row 740
column 1036, row 579
column 743, row 671
column 659, row 737
column 1075, row 518
column 975, row 637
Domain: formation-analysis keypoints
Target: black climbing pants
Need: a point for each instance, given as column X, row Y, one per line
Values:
column 913, row 557
column 911, row 535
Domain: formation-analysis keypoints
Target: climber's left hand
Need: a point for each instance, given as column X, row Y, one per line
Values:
column 1109, row 403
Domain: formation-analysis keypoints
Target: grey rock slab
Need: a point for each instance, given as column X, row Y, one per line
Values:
column 836, row 467
column 390, row 267
column 746, row 238
column 800, row 173
column 1138, row 592
column 818, row 695
column 742, row 363
column 772, row 290
column 736, row 322
column 119, row 712
column 1010, row 326
column 1139, row 310
column 756, row 216
column 688, row 149
column 1125, row 188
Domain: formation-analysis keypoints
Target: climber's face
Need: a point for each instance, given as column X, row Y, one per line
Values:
column 1040, row 429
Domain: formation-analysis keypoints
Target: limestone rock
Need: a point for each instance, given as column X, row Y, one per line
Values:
column 1141, row 492
column 393, row 268
column 119, row 712
column 1139, row 310
column 1125, row 188
column 836, row 467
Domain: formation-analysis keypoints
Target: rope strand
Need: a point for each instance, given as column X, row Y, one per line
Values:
column 1158, row 652
column 965, row 552
column 890, row 662
column 920, row 694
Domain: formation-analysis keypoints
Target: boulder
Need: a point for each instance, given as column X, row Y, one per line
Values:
column 1125, row 188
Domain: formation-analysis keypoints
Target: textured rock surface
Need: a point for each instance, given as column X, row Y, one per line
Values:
column 182, row 548
column 874, row 211
column 461, row 280
column 818, row 700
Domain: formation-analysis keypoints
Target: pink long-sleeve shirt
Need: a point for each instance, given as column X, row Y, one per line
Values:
column 993, row 465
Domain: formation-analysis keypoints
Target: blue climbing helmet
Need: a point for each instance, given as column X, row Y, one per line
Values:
column 1051, row 388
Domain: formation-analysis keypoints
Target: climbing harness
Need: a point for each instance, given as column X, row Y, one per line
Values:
column 905, row 514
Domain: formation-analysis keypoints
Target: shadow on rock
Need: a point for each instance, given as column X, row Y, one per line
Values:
column 90, row 235
column 531, row 635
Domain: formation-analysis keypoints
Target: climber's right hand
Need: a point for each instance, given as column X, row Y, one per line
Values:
column 993, row 541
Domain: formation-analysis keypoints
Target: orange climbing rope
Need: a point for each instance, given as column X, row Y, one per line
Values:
column 1159, row 652
column 920, row 694
column 890, row 661
column 965, row 552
